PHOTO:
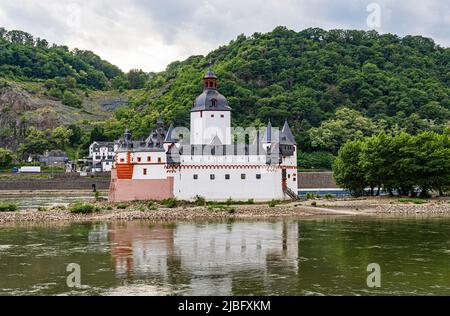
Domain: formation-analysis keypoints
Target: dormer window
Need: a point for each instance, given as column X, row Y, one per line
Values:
column 214, row 102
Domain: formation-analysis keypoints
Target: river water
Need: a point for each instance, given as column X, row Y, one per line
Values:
column 283, row 257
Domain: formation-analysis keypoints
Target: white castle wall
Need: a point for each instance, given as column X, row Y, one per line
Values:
column 205, row 125
column 155, row 167
column 266, row 188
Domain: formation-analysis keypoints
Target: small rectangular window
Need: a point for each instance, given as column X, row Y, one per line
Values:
column 122, row 160
column 139, row 159
column 227, row 177
column 222, row 116
column 212, row 177
column 243, row 176
column 195, row 176
column 149, row 159
column 258, row 176
column 212, row 115
column 159, row 159
column 145, row 172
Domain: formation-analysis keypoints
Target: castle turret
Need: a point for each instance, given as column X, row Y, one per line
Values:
column 211, row 114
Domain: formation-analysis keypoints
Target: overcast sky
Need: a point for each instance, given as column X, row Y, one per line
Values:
column 149, row 34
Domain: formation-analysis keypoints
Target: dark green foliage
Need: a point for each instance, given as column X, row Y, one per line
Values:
column 83, row 208
column 76, row 136
column 6, row 158
column 412, row 200
column 22, row 56
column 170, row 203
column 200, row 201
column 400, row 163
column 122, row 206
column 71, row 99
column 8, row 207
column 136, row 79
column 315, row 160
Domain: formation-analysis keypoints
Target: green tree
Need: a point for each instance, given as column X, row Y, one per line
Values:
column 137, row 79
column 71, row 99
column 346, row 125
column 348, row 170
column 60, row 136
column 76, row 135
column 36, row 142
column 6, row 158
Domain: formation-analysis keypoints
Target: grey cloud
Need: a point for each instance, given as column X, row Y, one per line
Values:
column 153, row 33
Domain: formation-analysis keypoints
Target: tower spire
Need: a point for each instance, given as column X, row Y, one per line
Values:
column 287, row 132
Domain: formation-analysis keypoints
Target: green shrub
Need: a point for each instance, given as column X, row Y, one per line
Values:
column 412, row 200
column 170, row 202
column 8, row 207
column 329, row 196
column 42, row 209
column 71, row 99
column 151, row 206
column 231, row 210
column 314, row 204
column 273, row 203
column 309, row 196
column 83, row 208
column 122, row 206
column 109, row 208
column 200, row 201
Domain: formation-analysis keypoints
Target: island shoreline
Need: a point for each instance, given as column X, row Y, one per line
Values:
column 380, row 207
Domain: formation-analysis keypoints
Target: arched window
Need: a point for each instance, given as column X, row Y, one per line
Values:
column 214, row 102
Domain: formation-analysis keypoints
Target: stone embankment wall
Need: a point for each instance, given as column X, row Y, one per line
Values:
column 71, row 182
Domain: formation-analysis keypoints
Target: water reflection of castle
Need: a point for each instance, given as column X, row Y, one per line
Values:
column 205, row 253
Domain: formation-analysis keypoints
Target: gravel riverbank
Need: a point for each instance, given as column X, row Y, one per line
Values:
column 307, row 209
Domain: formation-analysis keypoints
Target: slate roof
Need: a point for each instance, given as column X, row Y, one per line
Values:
column 210, row 99
column 204, row 102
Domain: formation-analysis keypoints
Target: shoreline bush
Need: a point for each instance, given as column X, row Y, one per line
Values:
column 8, row 207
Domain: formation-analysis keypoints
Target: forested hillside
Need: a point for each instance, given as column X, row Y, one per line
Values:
column 333, row 86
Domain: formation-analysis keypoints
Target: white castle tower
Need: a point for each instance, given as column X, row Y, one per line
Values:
column 211, row 115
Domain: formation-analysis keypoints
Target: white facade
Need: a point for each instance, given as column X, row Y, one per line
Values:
column 205, row 125
column 102, row 155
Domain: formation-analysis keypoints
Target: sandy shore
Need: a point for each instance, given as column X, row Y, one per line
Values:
column 302, row 209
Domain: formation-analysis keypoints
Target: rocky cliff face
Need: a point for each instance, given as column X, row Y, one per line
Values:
column 21, row 109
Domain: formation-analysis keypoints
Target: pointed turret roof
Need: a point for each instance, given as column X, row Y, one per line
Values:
column 216, row 141
column 268, row 133
column 286, row 131
column 170, row 138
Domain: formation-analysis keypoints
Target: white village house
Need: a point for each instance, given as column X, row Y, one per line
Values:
column 101, row 156
column 206, row 162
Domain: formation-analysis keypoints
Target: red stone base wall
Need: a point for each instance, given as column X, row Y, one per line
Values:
column 121, row 190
